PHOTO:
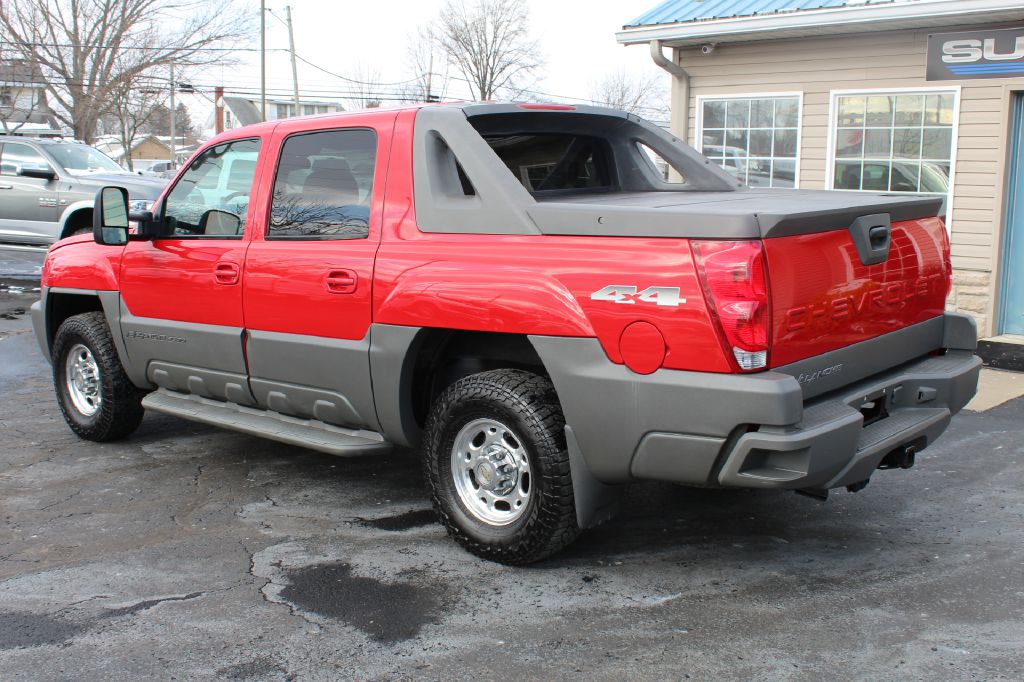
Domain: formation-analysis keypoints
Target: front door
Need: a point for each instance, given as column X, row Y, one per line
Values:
column 29, row 207
column 1012, row 308
column 308, row 278
column 181, row 292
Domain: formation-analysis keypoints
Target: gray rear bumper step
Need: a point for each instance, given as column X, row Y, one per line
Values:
column 307, row 433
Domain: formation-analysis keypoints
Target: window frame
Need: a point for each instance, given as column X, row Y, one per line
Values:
column 798, row 94
column 267, row 237
column 159, row 219
column 44, row 156
column 833, row 128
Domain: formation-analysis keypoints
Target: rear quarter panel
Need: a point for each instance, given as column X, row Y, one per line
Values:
column 533, row 284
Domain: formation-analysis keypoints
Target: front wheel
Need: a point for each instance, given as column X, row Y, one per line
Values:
column 98, row 400
column 496, row 462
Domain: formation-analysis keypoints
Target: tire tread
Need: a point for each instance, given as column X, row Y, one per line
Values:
column 532, row 397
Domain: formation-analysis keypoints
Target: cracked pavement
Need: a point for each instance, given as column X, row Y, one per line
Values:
column 187, row 552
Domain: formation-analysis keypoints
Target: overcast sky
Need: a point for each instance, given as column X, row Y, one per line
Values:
column 577, row 39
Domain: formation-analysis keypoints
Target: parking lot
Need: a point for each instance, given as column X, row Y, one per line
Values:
column 186, row 552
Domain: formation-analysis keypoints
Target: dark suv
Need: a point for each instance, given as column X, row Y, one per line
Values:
column 47, row 188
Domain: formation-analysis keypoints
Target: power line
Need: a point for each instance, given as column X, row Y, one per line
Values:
column 338, row 75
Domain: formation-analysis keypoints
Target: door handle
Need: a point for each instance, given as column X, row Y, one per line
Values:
column 226, row 273
column 341, row 281
column 6, row 186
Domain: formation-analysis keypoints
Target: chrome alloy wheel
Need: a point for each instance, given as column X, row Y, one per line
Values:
column 82, row 375
column 492, row 472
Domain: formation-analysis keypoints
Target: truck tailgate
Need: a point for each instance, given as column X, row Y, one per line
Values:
column 824, row 296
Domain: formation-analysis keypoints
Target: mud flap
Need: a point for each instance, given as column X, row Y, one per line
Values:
column 596, row 502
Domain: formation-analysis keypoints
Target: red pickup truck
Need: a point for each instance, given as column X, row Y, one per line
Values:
column 548, row 301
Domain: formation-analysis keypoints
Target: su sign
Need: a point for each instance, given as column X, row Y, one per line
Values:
column 976, row 54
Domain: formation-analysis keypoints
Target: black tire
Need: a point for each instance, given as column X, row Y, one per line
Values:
column 528, row 405
column 80, row 230
column 120, row 409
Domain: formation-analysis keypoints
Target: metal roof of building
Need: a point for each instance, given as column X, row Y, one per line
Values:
column 681, row 11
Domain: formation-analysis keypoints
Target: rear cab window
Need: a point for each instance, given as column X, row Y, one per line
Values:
column 546, row 162
column 566, row 153
column 324, row 185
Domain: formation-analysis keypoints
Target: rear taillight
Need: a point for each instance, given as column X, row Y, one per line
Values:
column 736, row 287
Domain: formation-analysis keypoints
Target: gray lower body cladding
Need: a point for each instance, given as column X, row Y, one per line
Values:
column 764, row 430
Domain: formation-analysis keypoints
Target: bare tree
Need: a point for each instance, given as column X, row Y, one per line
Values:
column 365, row 84
column 488, row 42
column 641, row 94
column 133, row 107
column 429, row 69
column 89, row 49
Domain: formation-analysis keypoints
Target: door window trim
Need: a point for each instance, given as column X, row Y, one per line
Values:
column 159, row 218
column 267, row 237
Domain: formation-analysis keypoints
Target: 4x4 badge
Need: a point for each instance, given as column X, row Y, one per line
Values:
column 619, row 293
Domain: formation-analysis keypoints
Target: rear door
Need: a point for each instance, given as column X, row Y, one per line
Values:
column 181, row 293
column 29, row 207
column 308, row 277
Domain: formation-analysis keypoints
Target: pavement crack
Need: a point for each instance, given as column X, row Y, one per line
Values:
column 263, row 589
column 59, row 502
column 148, row 604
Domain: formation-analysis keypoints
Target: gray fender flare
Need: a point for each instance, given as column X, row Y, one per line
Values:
column 69, row 211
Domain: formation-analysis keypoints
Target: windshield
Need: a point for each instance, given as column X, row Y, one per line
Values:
column 78, row 159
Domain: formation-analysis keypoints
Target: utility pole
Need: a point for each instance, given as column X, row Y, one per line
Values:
column 291, row 47
column 430, row 77
column 174, row 132
column 263, row 59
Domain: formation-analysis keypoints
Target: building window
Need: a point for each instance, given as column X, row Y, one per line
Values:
column 893, row 141
column 755, row 138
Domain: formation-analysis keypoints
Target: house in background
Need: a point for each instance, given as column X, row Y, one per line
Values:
column 234, row 112
column 23, row 106
column 146, row 150
column 866, row 95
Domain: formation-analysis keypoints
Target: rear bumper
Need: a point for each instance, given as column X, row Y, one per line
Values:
column 830, row 447
column 765, row 430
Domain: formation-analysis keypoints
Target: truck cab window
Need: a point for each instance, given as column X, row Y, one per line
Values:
column 212, row 197
column 324, row 185
column 550, row 162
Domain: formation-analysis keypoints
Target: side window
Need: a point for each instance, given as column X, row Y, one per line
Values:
column 16, row 155
column 324, row 184
column 212, row 196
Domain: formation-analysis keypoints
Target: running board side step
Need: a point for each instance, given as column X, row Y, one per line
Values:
column 307, row 433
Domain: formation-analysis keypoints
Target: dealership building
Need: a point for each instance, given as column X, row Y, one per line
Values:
column 866, row 95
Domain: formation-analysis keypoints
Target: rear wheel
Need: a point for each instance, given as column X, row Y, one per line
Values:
column 496, row 462
column 98, row 400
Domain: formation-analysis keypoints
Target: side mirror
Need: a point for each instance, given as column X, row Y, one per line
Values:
column 36, row 170
column 217, row 222
column 110, row 216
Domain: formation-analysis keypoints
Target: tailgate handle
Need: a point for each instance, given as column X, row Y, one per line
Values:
column 872, row 235
column 878, row 236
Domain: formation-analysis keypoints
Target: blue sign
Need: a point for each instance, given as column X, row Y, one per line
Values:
column 976, row 54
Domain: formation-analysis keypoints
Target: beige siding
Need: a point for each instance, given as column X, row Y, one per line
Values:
column 817, row 66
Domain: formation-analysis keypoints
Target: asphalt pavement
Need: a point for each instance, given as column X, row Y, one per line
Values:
column 188, row 552
column 19, row 262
